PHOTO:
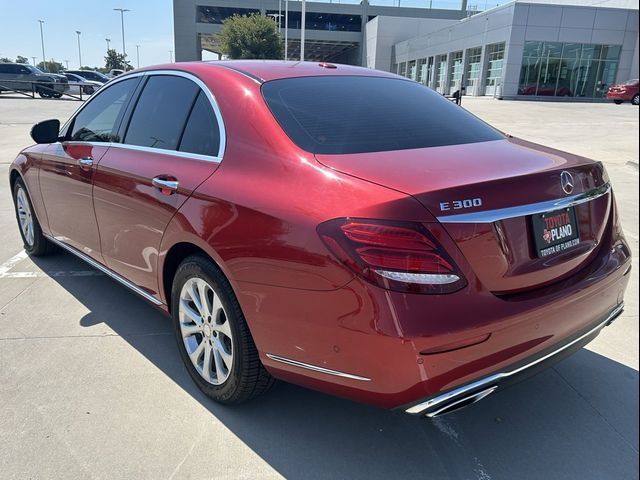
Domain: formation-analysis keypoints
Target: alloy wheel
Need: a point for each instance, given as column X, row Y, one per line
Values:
column 24, row 216
column 206, row 331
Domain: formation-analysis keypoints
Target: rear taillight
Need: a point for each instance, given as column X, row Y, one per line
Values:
column 404, row 257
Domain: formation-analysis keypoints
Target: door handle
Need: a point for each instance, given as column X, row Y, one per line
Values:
column 86, row 162
column 166, row 186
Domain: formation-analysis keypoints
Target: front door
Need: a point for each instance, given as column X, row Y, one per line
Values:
column 68, row 168
column 171, row 145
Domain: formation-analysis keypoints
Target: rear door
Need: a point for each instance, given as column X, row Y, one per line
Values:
column 173, row 140
column 68, row 167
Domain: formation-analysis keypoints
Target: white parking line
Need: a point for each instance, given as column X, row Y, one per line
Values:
column 9, row 264
column 5, row 270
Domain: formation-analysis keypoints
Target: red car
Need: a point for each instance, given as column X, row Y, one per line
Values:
column 627, row 92
column 332, row 226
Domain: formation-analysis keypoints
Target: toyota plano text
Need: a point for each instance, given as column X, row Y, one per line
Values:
column 332, row 226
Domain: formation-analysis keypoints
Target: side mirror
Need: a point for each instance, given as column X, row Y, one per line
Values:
column 46, row 131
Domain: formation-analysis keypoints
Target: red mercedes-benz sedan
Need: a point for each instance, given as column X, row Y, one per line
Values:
column 627, row 92
column 332, row 226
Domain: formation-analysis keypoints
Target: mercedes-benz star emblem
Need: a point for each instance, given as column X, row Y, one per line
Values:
column 566, row 180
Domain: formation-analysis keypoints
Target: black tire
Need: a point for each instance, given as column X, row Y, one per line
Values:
column 617, row 102
column 56, row 95
column 247, row 376
column 40, row 246
column 87, row 90
column 44, row 93
column 636, row 99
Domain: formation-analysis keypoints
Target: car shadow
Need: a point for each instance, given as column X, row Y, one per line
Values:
column 577, row 420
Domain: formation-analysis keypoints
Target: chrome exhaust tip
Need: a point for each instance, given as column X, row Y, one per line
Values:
column 462, row 402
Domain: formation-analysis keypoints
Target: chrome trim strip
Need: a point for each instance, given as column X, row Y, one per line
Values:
column 449, row 407
column 105, row 270
column 453, row 394
column 315, row 368
column 490, row 216
column 177, row 73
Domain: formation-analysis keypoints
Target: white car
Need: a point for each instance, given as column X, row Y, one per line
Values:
column 77, row 84
column 114, row 73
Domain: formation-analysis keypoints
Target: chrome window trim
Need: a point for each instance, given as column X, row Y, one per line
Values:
column 470, row 387
column 315, row 368
column 104, row 269
column 178, row 73
column 490, row 216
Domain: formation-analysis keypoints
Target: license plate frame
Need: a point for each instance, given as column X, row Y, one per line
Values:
column 555, row 232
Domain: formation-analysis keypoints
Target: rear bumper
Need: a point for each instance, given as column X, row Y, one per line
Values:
column 472, row 392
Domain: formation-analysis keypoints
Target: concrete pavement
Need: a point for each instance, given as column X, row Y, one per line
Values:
column 91, row 383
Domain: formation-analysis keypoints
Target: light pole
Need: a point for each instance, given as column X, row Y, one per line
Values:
column 67, row 62
column 138, row 56
column 304, row 11
column 286, row 30
column 108, row 40
column 79, row 51
column 34, row 61
column 44, row 59
column 276, row 19
column 280, row 16
column 122, row 10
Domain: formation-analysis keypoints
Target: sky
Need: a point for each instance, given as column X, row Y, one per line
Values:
column 148, row 24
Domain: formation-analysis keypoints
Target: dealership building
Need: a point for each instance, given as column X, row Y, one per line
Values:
column 569, row 49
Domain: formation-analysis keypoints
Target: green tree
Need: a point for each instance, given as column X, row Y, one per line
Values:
column 21, row 59
column 252, row 36
column 51, row 66
column 5, row 60
column 115, row 60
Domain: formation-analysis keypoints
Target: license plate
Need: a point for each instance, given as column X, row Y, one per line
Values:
column 555, row 232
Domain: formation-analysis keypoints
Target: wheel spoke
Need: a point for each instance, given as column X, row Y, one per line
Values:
column 189, row 312
column 223, row 328
column 220, row 372
column 226, row 357
column 206, row 364
column 195, row 297
column 195, row 355
column 204, row 299
column 188, row 330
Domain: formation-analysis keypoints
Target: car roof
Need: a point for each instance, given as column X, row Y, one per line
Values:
column 265, row 70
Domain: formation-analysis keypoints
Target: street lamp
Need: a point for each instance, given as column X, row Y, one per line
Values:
column 304, row 14
column 286, row 30
column 122, row 10
column 108, row 40
column 67, row 62
column 276, row 19
column 34, row 61
column 138, row 56
column 44, row 59
column 79, row 51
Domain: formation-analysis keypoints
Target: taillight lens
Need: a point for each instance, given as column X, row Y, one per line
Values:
column 404, row 257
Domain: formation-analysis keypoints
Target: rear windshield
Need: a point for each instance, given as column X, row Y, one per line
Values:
column 343, row 114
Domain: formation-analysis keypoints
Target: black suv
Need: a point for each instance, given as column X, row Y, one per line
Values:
column 24, row 77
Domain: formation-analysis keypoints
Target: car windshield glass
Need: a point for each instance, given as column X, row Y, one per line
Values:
column 353, row 114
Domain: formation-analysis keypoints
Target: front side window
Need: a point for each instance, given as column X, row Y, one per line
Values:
column 354, row 114
column 161, row 112
column 100, row 118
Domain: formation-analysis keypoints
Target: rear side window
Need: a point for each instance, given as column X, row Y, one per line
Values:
column 342, row 115
column 202, row 134
column 99, row 119
column 161, row 112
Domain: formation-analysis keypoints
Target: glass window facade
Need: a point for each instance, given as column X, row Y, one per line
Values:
column 495, row 59
column 331, row 22
column 411, row 70
column 220, row 14
column 474, row 63
column 568, row 69
column 455, row 73
column 441, row 72
column 421, row 68
column 402, row 69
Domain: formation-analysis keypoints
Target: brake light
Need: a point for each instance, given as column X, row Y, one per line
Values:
column 404, row 257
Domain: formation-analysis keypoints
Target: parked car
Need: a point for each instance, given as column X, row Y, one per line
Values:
column 25, row 77
column 546, row 90
column 627, row 92
column 115, row 72
column 78, row 85
column 92, row 75
column 399, row 252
